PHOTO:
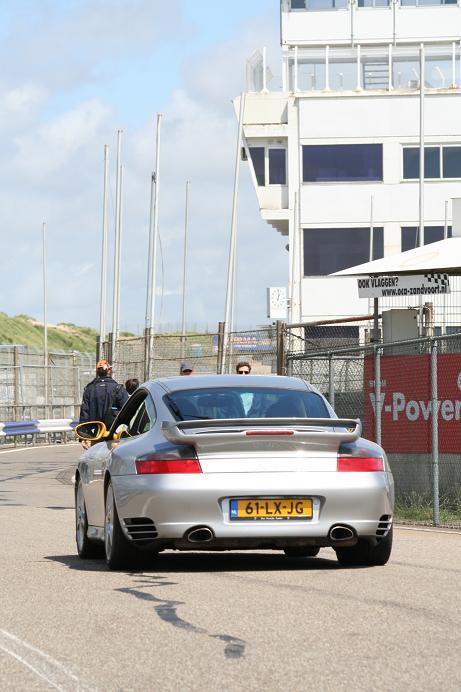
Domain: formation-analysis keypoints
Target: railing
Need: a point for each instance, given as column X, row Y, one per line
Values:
column 28, row 430
column 359, row 68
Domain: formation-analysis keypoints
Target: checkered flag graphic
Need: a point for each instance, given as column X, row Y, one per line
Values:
column 437, row 279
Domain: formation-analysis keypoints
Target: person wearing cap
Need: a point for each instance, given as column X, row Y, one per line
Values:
column 186, row 368
column 103, row 397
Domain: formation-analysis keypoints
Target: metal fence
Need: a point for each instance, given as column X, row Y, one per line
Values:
column 161, row 355
column 394, row 388
column 22, row 383
column 408, row 396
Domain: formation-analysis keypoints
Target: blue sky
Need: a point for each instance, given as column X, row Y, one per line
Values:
column 74, row 72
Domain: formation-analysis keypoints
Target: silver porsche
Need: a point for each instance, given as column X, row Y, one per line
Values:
column 232, row 462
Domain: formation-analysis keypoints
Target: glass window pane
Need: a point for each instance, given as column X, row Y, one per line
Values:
column 326, row 4
column 342, row 162
column 438, row 72
column 431, row 162
column 257, row 158
column 452, row 162
column 328, row 250
column 378, row 243
column 243, row 400
column 311, row 75
column 373, row 3
column 298, row 4
column 277, row 167
column 410, row 236
column 421, row 3
column 343, row 74
column 411, row 162
column 405, row 73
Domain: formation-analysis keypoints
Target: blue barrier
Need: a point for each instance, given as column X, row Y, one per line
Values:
column 35, row 427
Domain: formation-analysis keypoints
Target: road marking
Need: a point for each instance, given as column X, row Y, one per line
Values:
column 40, row 663
column 428, row 529
column 25, row 449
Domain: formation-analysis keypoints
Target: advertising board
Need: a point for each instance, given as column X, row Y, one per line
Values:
column 406, row 403
column 395, row 286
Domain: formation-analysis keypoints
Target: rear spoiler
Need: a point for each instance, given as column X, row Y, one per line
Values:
column 239, row 429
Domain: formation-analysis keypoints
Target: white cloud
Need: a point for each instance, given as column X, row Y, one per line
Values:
column 50, row 147
column 51, row 169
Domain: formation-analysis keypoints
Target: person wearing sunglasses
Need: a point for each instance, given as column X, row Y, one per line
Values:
column 243, row 368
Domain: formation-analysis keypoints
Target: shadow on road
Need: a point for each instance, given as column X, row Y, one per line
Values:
column 206, row 562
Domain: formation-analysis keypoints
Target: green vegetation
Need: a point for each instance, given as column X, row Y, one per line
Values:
column 61, row 337
column 415, row 508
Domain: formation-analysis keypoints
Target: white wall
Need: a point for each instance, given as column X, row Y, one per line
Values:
column 330, row 298
column 371, row 25
column 392, row 120
column 362, row 116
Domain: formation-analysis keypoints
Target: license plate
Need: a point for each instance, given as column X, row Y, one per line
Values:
column 271, row 508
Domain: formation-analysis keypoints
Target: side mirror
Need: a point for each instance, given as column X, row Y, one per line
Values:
column 94, row 430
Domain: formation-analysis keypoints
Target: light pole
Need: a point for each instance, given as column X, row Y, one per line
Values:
column 45, row 318
column 186, row 228
column 230, row 289
column 152, row 258
column 103, row 305
column 117, row 250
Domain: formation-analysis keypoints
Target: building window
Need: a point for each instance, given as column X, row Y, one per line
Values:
column 257, row 159
column 425, row 3
column 410, row 236
column 452, row 162
column 373, row 3
column 319, row 4
column 277, row 167
column 439, row 162
column 269, row 165
column 342, row 162
column 328, row 250
column 411, row 162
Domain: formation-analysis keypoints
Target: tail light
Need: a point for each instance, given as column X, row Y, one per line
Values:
column 168, row 466
column 360, row 464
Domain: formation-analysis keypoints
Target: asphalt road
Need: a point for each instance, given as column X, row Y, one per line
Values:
column 238, row 621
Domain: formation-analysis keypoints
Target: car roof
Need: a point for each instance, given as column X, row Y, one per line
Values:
column 179, row 383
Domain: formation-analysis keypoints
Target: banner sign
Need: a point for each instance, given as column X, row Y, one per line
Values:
column 406, row 403
column 246, row 342
column 394, row 286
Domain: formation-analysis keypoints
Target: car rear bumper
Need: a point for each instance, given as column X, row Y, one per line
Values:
column 176, row 504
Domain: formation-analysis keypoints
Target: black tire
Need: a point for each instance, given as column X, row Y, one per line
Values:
column 366, row 553
column 301, row 552
column 85, row 547
column 119, row 553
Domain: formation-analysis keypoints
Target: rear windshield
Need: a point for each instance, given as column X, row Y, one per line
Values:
column 240, row 402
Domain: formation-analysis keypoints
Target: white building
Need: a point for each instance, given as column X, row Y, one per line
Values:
column 341, row 136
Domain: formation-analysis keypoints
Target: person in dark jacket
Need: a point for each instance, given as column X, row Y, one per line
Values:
column 103, row 397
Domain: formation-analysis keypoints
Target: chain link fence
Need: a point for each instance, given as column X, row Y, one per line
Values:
column 22, row 383
column 408, row 396
column 152, row 356
column 394, row 388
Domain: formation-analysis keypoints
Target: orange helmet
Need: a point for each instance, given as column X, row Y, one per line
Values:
column 104, row 365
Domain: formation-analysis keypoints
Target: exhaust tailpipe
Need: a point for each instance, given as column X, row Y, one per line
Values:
column 340, row 533
column 201, row 534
